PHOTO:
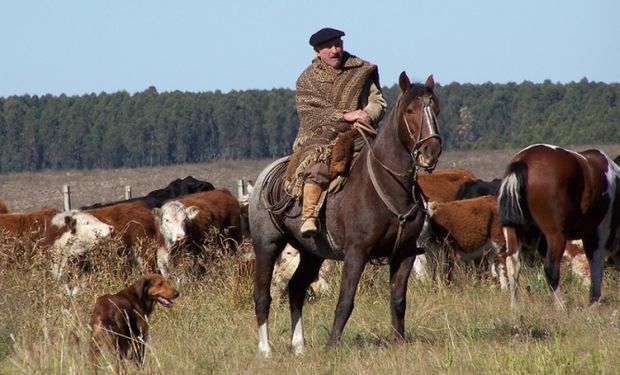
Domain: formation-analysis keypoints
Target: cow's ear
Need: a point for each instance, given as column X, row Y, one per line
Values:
column 71, row 223
column 157, row 212
column 192, row 212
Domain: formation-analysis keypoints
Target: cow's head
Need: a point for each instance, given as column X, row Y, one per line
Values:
column 173, row 218
column 83, row 232
column 80, row 233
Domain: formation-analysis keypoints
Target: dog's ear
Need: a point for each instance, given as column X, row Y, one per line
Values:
column 140, row 287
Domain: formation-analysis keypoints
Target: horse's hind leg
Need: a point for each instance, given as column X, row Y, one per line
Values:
column 307, row 271
column 510, row 262
column 555, row 249
column 596, row 260
column 400, row 269
column 266, row 254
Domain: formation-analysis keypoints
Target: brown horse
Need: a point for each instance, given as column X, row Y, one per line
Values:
column 377, row 214
column 565, row 195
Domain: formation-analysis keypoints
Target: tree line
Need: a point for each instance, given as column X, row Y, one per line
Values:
column 150, row 128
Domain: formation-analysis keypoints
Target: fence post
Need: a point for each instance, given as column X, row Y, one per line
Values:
column 127, row 191
column 66, row 193
column 241, row 188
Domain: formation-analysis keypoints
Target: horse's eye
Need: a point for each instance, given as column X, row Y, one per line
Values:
column 409, row 111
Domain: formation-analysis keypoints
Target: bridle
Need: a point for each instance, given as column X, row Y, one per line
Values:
column 428, row 117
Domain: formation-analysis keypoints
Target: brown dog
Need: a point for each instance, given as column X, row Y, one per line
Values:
column 120, row 321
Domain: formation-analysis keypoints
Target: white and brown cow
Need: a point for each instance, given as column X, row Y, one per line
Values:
column 187, row 222
column 75, row 233
column 71, row 235
column 286, row 265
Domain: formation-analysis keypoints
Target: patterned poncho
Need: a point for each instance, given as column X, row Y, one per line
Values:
column 324, row 94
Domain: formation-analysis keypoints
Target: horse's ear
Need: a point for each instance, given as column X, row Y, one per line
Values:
column 430, row 82
column 403, row 82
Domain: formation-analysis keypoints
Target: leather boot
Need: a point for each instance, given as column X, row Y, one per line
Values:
column 311, row 195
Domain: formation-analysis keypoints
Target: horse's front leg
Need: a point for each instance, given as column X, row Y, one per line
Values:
column 354, row 262
column 400, row 269
column 266, row 255
column 307, row 271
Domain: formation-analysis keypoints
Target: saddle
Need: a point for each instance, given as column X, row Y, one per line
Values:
column 274, row 195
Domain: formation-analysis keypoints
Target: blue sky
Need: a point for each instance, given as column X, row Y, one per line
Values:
column 80, row 47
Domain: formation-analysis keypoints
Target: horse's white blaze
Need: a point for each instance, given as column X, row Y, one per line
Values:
column 263, row 340
column 297, row 341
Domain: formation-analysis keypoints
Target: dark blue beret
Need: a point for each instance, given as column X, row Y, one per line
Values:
column 324, row 35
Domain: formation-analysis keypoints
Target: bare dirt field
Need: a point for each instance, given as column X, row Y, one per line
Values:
column 28, row 191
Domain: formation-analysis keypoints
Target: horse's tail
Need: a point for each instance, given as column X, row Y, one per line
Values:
column 513, row 211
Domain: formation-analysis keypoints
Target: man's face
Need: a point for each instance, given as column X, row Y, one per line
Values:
column 330, row 52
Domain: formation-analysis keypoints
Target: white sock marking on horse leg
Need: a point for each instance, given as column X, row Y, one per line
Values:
column 512, row 271
column 263, row 340
column 297, row 341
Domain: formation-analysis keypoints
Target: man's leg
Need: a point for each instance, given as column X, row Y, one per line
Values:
column 315, row 181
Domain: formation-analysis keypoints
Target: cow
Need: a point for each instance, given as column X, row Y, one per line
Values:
column 156, row 198
column 244, row 200
column 27, row 224
column 478, row 188
column 287, row 263
column 75, row 233
column 469, row 229
column 185, row 224
column 442, row 184
column 70, row 236
column 575, row 256
column 439, row 186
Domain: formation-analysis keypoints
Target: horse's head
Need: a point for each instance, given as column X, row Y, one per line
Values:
column 417, row 110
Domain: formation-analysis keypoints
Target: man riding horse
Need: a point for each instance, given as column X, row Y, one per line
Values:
column 335, row 94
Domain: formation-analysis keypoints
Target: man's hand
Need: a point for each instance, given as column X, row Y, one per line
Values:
column 357, row 115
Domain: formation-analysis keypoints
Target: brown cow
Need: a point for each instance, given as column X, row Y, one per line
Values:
column 186, row 222
column 31, row 224
column 469, row 228
column 443, row 184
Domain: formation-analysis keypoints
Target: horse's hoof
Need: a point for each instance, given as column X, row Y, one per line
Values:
column 265, row 353
column 298, row 351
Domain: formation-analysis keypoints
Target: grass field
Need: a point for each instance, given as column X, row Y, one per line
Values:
column 464, row 327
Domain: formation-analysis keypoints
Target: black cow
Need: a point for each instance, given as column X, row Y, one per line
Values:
column 156, row 198
column 478, row 188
